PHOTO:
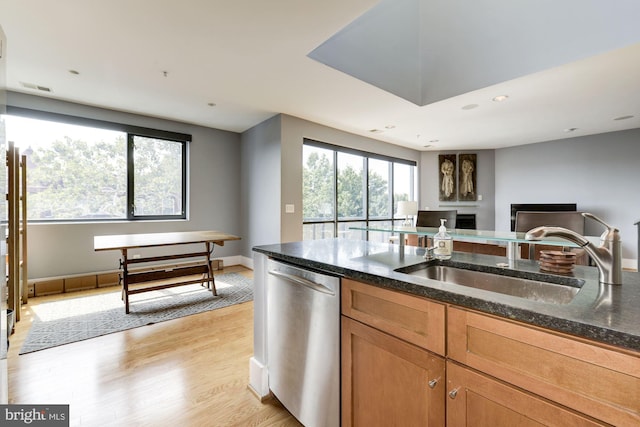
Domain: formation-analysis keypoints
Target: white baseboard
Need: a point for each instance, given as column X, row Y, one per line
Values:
column 246, row 262
column 258, row 378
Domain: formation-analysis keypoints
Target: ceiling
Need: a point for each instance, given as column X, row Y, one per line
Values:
column 231, row 64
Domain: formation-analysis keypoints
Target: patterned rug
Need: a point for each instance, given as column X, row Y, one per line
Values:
column 76, row 319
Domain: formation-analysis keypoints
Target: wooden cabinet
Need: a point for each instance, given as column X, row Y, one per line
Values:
column 388, row 376
column 476, row 400
column 411, row 318
column 596, row 380
column 498, row 372
column 387, row 381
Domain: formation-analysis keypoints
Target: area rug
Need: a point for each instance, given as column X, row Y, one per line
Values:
column 76, row 319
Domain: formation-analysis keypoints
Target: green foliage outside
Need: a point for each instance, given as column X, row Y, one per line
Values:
column 74, row 179
column 157, row 177
column 318, row 192
column 318, row 188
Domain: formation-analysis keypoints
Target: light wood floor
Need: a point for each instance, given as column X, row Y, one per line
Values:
column 191, row 371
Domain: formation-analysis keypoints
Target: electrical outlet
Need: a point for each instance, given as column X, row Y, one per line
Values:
column 289, row 208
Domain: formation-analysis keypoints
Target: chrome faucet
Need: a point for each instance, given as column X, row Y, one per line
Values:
column 607, row 256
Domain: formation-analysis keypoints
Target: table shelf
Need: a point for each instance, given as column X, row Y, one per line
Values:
column 157, row 274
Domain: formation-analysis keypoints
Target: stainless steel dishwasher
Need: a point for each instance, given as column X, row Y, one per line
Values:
column 303, row 343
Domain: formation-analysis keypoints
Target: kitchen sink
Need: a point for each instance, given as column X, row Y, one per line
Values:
column 535, row 286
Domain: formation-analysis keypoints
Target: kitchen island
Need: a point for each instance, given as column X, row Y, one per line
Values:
column 607, row 316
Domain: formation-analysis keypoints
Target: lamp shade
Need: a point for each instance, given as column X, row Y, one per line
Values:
column 406, row 208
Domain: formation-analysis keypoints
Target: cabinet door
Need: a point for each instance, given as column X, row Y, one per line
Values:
column 479, row 401
column 389, row 382
column 409, row 317
column 599, row 381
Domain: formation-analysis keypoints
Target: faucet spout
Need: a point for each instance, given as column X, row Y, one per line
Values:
column 540, row 233
column 607, row 256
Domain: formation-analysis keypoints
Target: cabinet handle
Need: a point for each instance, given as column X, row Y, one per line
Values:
column 433, row 383
column 453, row 393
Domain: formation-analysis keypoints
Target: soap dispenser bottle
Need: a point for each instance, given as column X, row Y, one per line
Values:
column 442, row 242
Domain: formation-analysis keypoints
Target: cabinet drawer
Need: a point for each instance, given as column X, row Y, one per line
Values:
column 480, row 401
column 411, row 318
column 596, row 380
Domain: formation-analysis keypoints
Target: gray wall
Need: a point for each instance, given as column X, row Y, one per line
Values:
column 214, row 202
column 294, row 130
column 263, row 204
column 260, row 184
column 241, row 183
column 485, row 175
column 599, row 172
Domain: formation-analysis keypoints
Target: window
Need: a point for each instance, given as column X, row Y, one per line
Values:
column 158, row 172
column 318, row 181
column 352, row 187
column 81, row 169
column 345, row 188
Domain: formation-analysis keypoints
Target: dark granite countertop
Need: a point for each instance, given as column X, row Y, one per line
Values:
column 608, row 314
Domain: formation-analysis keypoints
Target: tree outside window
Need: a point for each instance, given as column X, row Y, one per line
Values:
column 77, row 172
column 346, row 189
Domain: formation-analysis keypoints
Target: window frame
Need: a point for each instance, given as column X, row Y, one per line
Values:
column 131, row 196
column 366, row 156
column 130, row 131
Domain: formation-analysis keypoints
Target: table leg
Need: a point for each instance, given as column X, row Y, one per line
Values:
column 125, row 280
column 210, row 268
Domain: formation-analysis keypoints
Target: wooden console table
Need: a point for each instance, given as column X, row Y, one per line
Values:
column 124, row 242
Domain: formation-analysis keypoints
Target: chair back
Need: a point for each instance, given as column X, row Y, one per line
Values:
column 573, row 221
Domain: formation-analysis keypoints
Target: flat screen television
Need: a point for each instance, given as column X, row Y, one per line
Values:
column 539, row 207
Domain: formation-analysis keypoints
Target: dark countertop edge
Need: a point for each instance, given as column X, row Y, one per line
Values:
column 554, row 323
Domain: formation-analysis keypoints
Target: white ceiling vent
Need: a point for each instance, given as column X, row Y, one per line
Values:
column 35, row 87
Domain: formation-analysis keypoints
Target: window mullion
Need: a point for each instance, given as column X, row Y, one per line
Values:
column 335, row 193
column 130, row 177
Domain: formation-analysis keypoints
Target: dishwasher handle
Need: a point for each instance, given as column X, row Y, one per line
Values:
column 302, row 281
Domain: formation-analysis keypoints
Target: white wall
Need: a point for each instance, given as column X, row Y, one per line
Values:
column 600, row 173
column 485, row 176
column 214, row 180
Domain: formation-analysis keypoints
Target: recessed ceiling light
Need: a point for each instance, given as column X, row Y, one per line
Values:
column 74, row 72
column 427, row 146
column 376, row 130
column 434, row 141
column 389, row 127
column 500, row 98
column 570, row 129
column 624, row 117
column 470, row 106
column 211, row 104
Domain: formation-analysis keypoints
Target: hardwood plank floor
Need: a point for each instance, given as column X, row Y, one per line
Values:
column 192, row 371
